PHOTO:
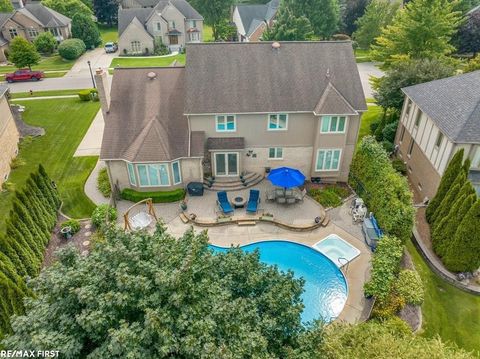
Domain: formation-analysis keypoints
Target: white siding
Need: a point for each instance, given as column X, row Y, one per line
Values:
column 238, row 22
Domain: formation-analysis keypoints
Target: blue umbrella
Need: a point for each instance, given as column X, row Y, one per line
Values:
column 286, row 177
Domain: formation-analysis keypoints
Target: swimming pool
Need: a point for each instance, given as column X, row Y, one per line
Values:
column 325, row 286
column 337, row 249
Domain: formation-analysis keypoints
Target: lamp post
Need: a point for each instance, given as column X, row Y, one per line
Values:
column 91, row 74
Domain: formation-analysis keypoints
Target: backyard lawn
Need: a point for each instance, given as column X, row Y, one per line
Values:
column 372, row 115
column 447, row 311
column 55, row 151
column 109, row 34
column 146, row 61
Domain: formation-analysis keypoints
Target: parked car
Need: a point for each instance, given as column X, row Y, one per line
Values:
column 23, row 75
column 110, row 47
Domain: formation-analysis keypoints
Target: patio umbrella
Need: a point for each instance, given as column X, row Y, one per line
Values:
column 286, row 177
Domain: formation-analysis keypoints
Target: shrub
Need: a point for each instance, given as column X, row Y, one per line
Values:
column 399, row 166
column 88, row 94
column 103, row 183
column 388, row 146
column 388, row 194
column 45, row 43
column 17, row 162
column 340, row 37
column 409, row 286
column 390, row 307
column 102, row 214
column 71, row 49
column 159, row 47
column 326, row 197
column 85, row 29
column 385, row 264
column 342, row 192
column 157, row 197
column 73, row 224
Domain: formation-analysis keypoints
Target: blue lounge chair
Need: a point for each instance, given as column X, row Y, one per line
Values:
column 223, row 202
column 253, row 200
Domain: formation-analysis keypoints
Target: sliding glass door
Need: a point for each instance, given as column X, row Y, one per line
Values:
column 226, row 164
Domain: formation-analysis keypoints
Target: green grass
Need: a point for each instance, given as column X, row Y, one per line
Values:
column 48, row 75
column 147, row 61
column 65, row 122
column 372, row 115
column 207, row 33
column 447, row 311
column 109, row 34
column 44, row 93
column 362, row 55
column 51, row 63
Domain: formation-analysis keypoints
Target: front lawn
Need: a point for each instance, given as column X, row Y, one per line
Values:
column 65, row 121
column 146, row 61
column 50, row 63
column 362, row 55
column 109, row 34
column 44, row 93
column 372, row 115
column 447, row 311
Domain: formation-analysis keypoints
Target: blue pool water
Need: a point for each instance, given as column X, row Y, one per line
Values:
column 325, row 286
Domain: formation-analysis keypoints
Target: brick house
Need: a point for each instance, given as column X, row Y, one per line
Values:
column 9, row 136
column 252, row 20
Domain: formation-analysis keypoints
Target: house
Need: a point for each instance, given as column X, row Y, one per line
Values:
column 9, row 136
column 439, row 118
column 165, row 127
column 28, row 22
column 252, row 20
column 173, row 23
column 138, row 4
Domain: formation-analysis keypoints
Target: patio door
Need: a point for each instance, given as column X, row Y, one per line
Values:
column 226, row 164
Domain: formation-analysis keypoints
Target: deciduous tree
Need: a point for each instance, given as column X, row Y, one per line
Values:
column 68, row 7
column 106, row 11
column 6, row 6
column 351, row 11
column 214, row 12
column 23, row 53
column 467, row 39
column 288, row 27
column 85, row 29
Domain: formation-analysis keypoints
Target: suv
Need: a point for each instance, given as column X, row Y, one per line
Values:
column 24, row 74
column 110, row 47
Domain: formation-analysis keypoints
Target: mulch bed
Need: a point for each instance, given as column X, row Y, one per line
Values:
column 309, row 185
column 57, row 241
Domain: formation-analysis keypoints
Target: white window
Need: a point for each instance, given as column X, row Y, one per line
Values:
column 136, row 47
column 177, row 176
column 171, row 24
column 402, row 134
column 278, row 122
column 55, row 31
column 225, row 123
column 194, row 36
column 193, row 23
column 410, row 148
column 328, row 159
column 332, row 124
column 32, row 33
column 153, row 175
column 275, row 153
column 13, row 33
column 159, row 26
column 418, row 118
column 438, row 142
column 131, row 174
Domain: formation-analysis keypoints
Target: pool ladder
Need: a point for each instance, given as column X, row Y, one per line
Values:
column 346, row 263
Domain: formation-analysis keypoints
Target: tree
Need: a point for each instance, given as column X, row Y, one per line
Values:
column 463, row 254
column 88, row 3
column 387, row 89
column 467, row 39
column 226, row 31
column 6, row 6
column 23, row 53
column 352, row 10
column 153, row 296
column 289, row 28
column 423, row 29
column 68, row 7
column 106, row 11
column 85, row 29
column 448, row 201
column 45, row 43
column 378, row 14
column 449, row 176
column 472, row 64
column 214, row 12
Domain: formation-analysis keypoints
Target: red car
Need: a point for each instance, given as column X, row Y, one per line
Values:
column 23, row 75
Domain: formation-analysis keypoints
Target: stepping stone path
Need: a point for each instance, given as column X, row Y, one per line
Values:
column 86, row 243
column 88, row 234
column 88, row 226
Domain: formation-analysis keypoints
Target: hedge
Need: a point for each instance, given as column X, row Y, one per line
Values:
column 88, row 94
column 157, row 197
column 28, row 230
column 387, row 194
column 71, row 49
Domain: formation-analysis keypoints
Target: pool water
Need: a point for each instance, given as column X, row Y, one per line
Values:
column 325, row 290
column 337, row 249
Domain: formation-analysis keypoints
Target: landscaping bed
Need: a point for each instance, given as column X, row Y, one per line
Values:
column 327, row 194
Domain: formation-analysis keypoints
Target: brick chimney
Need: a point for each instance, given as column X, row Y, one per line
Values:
column 103, row 90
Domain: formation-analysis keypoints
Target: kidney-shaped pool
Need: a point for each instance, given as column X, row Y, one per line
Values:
column 325, row 286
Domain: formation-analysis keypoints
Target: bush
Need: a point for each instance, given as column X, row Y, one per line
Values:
column 73, row 224
column 390, row 307
column 399, row 166
column 45, row 43
column 340, row 37
column 103, row 183
column 385, row 265
column 102, row 214
column 409, row 286
column 388, row 146
column 88, row 94
column 159, row 47
column 71, row 49
column 157, row 197
column 85, row 29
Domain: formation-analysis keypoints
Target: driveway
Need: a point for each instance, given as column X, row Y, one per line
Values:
column 367, row 69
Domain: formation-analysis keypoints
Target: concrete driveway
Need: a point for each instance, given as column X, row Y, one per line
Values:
column 367, row 69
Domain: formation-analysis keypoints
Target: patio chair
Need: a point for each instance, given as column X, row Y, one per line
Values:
column 300, row 196
column 271, row 195
column 281, row 200
column 291, row 200
column 224, row 203
column 253, row 201
column 288, row 193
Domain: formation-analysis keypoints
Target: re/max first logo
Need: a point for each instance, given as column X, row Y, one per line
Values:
column 29, row 353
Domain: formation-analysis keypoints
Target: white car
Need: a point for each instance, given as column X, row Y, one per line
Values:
column 110, row 47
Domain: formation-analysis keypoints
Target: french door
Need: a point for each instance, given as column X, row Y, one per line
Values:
column 226, row 164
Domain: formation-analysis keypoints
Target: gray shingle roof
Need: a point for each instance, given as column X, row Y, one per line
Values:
column 186, row 9
column 226, row 143
column 254, row 15
column 149, row 125
column 453, row 104
column 3, row 41
column 125, row 17
column 46, row 16
column 4, row 16
column 254, row 77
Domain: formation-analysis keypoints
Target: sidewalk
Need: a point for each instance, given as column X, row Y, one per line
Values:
column 92, row 141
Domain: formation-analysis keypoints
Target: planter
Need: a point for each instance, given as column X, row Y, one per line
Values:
column 267, row 218
column 223, row 219
column 66, row 232
column 183, row 206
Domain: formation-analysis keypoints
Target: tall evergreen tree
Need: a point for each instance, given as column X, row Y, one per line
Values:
column 448, row 177
column 423, row 29
column 106, row 11
column 450, row 198
column 463, row 253
column 9, row 251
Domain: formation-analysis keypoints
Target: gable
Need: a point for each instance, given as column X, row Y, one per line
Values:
column 136, row 31
column 26, row 19
column 332, row 102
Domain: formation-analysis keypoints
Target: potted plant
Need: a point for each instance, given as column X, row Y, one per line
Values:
column 267, row 217
column 183, row 205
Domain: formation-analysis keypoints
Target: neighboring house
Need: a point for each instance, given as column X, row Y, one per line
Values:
column 173, row 22
column 28, row 22
column 234, row 108
column 252, row 20
column 439, row 118
column 138, row 4
column 8, row 136
column 17, row 4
